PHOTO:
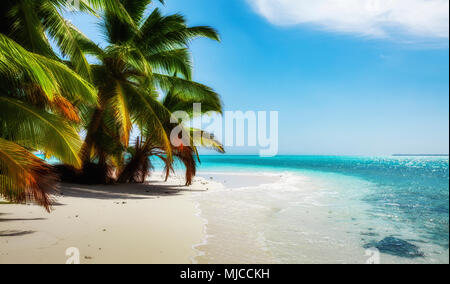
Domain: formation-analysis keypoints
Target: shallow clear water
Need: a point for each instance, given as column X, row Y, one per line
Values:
column 325, row 209
column 330, row 209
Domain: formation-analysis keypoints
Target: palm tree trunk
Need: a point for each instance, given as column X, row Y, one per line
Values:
column 94, row 125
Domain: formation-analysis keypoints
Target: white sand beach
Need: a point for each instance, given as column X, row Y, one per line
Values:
column 152, row 223
column 224, row 217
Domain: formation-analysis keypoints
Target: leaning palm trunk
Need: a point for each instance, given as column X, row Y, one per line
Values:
column 94, row 125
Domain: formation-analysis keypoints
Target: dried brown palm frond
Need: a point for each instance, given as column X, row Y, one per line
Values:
column 24, row 177
column 138, row 166
column 66, row 109
column 188, row 156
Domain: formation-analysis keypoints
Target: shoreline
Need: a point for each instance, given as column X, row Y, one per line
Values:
column 224, row 217
column 226, row 182
column 156, row 222
column 290, row 217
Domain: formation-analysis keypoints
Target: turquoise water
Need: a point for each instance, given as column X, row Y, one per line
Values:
column 398, row 204
column 327, row 209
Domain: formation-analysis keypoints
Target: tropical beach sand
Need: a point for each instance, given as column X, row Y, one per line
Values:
column 152, row 223
column 224, row 217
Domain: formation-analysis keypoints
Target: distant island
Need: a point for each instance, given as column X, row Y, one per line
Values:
column 420, row 155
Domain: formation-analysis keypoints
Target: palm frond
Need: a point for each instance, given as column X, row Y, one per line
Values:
column 114, row 7
column 25, row 27
column 172, row 61
column 17, row 66
column 66, row 36
column 138, row 165
column 67, row 110
column 161, row 33
column 89, row 47
column 70, row 83
column 187, row 156
column 175, row 101
column 204, row 139
column 189, row 91
column 39, row 130
column 150, row 115
column 23, row 176
column 121, row 113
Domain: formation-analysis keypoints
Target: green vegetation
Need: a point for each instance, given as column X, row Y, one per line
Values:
column 140, row 78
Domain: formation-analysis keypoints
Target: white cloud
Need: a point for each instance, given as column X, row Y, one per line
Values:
column 374, row 18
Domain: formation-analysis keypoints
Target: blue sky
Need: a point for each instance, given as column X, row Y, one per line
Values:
column 339, row 88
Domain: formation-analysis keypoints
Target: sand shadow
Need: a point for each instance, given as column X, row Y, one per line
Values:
column 21, row 219
column 120, row 192
column 14, row 233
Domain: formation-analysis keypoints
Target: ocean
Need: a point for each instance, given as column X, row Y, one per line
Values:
column 325, row 209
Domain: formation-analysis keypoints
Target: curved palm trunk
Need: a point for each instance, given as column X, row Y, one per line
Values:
column 98, row 173
column 94, row 125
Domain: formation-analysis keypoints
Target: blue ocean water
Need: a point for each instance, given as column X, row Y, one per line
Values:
column 399, row 205
column 402, row 192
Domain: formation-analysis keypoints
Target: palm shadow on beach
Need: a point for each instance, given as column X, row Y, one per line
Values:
column 148, row 190
column 4, row 220
column 15, row 233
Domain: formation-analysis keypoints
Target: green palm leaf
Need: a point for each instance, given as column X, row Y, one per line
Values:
column 190, row 91
column 18, row 66
column 172, row 61
column 175, row 101
column 119, row 105
column 66, row 36
column 151, row 116
column 70, row 83
column 161, row 33
column 25, row 26
column 39, row 130
column 202, row 138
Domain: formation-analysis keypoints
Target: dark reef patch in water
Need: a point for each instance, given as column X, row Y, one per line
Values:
column 397, row 247
column 370, row 234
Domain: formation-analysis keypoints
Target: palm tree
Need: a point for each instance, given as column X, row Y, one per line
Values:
column 45, row 101
column 35, row 114
column 28, row 22
column 40, row 98
column 33, row 23
column 148, row 145
column 140, row 59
